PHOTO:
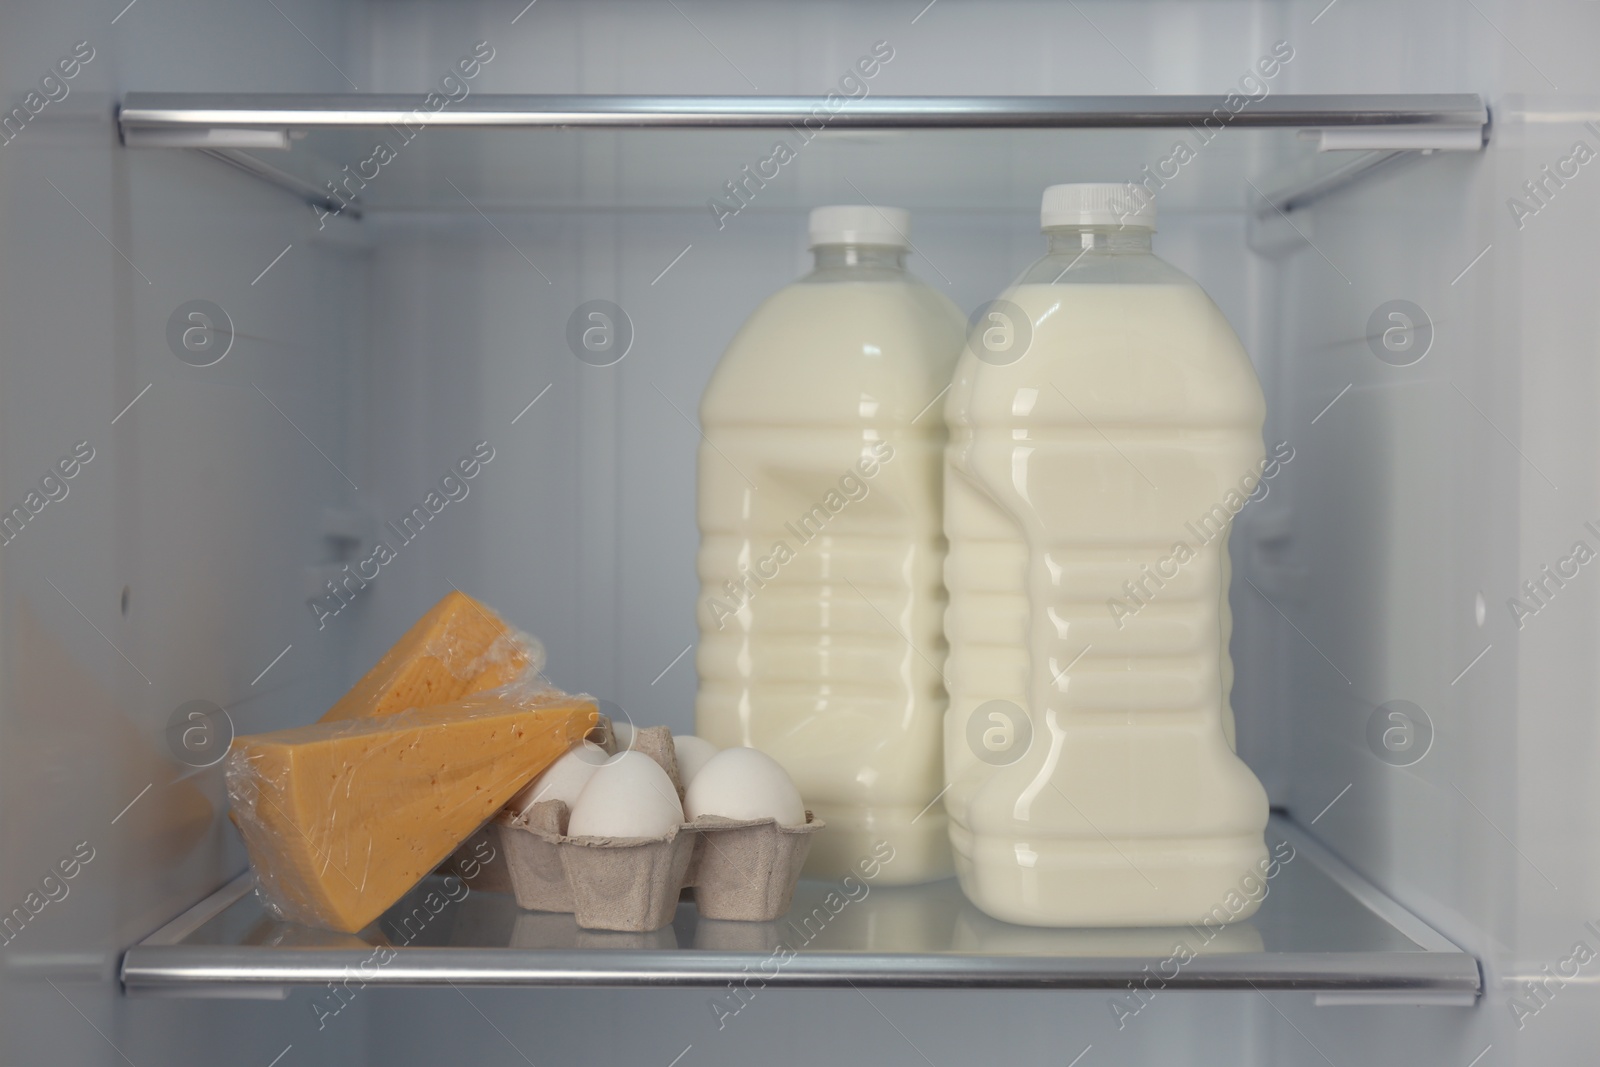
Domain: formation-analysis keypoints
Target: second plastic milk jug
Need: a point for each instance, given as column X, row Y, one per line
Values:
column 1105, row 426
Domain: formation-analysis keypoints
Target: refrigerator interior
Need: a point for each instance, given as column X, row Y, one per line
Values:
column 369, row 354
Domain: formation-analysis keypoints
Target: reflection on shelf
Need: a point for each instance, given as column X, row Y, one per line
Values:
column 977, row 932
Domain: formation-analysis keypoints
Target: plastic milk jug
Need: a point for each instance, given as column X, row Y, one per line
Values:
column 1105, row 427
column 821, row 555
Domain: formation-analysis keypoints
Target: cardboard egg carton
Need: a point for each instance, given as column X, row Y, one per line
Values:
column 739, row 870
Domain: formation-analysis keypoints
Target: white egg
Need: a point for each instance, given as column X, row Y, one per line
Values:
column 692, row 753
column 744, row 783
column 623, row 733
column 627, row 796
column 563, row 779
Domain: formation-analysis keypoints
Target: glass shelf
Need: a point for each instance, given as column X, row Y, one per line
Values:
column 1321, row 928
column 515, row 153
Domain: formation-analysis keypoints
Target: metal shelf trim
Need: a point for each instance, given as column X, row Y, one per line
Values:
column 145, row 113
column 150, row 970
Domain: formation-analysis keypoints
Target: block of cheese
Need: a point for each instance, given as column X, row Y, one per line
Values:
column 342, row 818
column 458, row 648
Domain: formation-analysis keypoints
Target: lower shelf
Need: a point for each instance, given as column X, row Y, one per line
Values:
column 1321, row 928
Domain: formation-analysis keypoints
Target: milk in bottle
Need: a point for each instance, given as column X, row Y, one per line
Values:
column 820, row 484
column 1105, row 426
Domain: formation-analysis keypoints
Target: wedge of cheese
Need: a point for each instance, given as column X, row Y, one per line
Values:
column 342, row 818
column 458, row 648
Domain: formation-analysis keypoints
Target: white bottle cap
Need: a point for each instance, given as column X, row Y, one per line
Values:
column 850, row 224
column 1098, row 204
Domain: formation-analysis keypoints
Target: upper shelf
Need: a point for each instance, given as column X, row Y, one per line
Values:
column 1321, row 928
column 966, row 152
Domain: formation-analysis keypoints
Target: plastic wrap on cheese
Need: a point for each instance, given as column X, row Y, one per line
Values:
column 341, row 818
column 458, row 648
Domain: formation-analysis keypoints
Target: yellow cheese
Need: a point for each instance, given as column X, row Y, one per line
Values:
column 458, row 648
column 342, row 818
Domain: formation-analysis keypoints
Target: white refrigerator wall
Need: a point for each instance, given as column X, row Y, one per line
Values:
column 374, row 354
column 167, row 568
column 1429, row 494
